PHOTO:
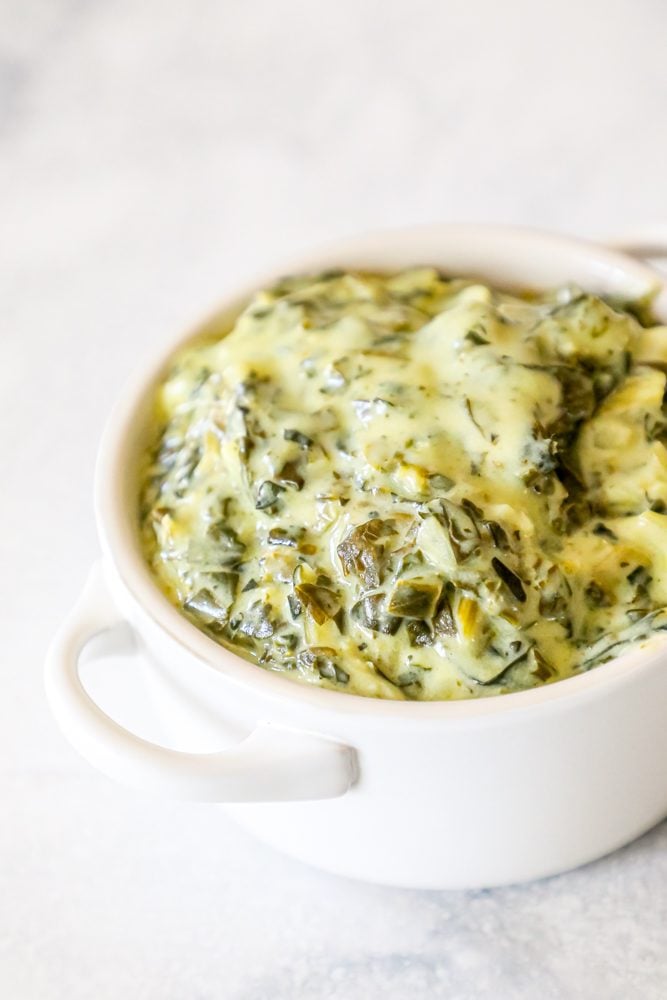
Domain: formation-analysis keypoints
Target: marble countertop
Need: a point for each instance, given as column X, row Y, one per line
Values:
column 150, row 154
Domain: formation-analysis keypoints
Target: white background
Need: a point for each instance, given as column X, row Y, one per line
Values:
column 151, row 153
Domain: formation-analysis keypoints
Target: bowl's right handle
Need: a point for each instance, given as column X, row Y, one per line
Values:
column 649, row 242
column 272, row 764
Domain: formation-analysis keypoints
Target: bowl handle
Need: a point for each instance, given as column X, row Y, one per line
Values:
column 272, row 764
column 648, row 242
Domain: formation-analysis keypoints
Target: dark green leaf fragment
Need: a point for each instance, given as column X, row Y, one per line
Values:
column 555, row 596
column 414, row 598
column 322, row 659
column 408, row 678
column 438, row 481
column 419, row 633
column 539, row 666
column 511, row 651
column 238, row 423
column 286, row 642
column 604, row 531
column 331, row 274
column 602, row 654
column 339, row 619
column 320, row 602
column 226, row 581
column 577, row 403
column 469, row 411
column 256, row 622
column 370, row 613
column 410, row 561
column 279, row 536
column 361, row 552
column 498, row 535
column 295, row 605
column 289, row 475
column 301, row 439
column 510, row 579
column 461, row 526
column 268, row 495
column 227, row 548
column 204, row 605
column 472, row 510
column 540, row 453
column 184, row 466
column 638, row 575
column 596, row 597
column 444, row 625
column 486, row 670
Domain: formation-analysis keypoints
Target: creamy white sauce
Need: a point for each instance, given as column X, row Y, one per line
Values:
column 409, row 486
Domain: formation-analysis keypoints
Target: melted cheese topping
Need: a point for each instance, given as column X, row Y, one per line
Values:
column 412, row 487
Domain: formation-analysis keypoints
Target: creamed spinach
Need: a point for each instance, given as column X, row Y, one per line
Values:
column 413, row 487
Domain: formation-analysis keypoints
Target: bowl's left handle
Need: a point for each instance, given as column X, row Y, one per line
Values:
column 272, row 764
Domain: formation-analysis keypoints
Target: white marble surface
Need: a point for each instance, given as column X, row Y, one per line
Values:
column 150, row 153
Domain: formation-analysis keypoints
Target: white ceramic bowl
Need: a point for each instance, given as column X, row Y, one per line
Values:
column 437, row 795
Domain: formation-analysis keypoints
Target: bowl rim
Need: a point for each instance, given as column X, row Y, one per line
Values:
column 118, row 535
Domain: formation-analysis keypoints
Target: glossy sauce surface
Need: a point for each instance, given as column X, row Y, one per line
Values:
column 412, row 487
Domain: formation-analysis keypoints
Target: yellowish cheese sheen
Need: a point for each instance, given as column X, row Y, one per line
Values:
column 413, row 487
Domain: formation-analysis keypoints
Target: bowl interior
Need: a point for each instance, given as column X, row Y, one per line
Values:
column 505, row 256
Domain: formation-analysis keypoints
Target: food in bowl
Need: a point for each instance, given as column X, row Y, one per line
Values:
column 411, row 486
